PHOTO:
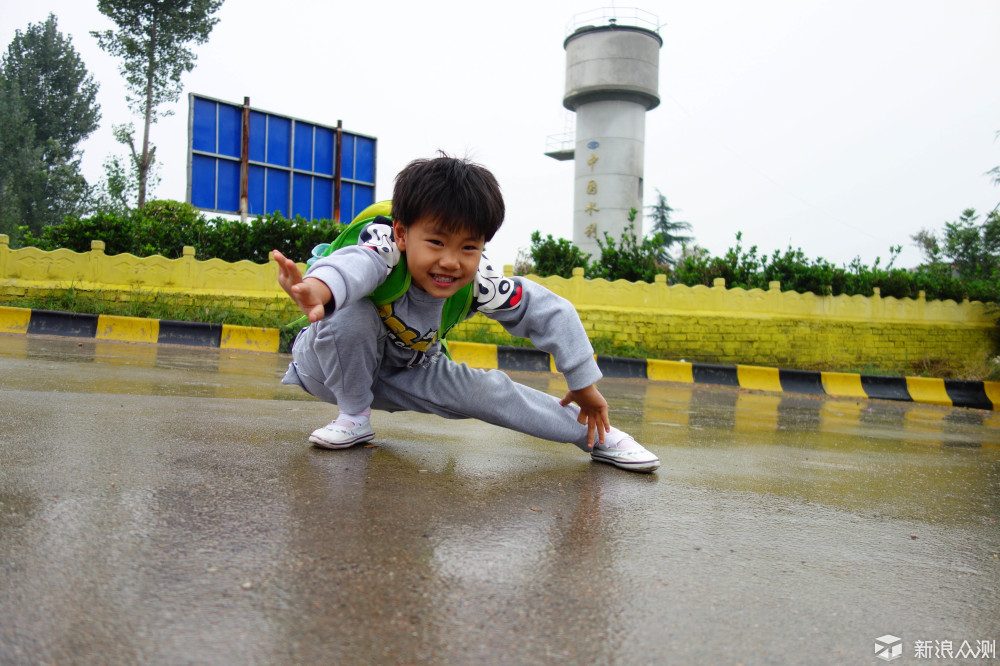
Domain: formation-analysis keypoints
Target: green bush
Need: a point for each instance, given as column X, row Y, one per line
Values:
column 748, row 270
column 76, row 234
column 165, row 227
column 630, row 259
column 556, row 257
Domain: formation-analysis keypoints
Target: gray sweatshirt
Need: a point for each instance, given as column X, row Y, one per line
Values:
column 524, row 308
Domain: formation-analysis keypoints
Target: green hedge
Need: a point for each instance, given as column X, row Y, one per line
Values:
column 165, row 227
column 796, row 272
column 632, row 259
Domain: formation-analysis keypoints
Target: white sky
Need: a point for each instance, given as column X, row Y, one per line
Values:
column 840, row 127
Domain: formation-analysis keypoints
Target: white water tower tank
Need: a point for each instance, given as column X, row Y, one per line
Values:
column 612, row 79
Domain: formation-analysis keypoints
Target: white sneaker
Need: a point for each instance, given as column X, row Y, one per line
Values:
column 342, row 434
column 621, row 450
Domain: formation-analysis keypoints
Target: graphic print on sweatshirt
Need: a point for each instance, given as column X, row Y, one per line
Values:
column 406, row 337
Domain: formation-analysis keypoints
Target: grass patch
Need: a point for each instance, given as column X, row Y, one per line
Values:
column 157, row 306
column 161, row 306
column 487, row 337
column 864, row 369
column 490, row 336
column 152, row 306
column 609, row 347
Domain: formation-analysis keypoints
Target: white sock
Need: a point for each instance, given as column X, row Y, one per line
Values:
column 357, row 419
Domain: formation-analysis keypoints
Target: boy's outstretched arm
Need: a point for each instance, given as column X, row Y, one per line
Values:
column 310, row 294
column 593, row 412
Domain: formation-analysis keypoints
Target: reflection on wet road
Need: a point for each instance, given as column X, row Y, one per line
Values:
column 160, row 505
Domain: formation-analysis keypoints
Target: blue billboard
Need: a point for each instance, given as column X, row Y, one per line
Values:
column 275, row 163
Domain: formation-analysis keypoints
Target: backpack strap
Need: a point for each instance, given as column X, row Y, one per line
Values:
column 398, row 280
column 350, row 234
column 456, row 307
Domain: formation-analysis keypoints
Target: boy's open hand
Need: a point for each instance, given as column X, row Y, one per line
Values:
column 593, row 412
column 310, row 294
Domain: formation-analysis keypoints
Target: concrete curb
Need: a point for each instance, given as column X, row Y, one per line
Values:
column 134, row 329
column 949, row 392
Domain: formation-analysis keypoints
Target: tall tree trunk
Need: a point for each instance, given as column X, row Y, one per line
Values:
column 146, row 159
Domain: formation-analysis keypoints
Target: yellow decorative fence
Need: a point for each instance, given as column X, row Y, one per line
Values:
column 705, row 324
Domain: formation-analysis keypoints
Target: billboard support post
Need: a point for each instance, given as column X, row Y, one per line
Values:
column 244, row 159
column 338, row 150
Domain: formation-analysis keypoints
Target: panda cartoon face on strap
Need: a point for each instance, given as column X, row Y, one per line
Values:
column 495, row 292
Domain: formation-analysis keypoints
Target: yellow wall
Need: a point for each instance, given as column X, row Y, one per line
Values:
column 787, row 329
column 704, row 324
column 243, row 285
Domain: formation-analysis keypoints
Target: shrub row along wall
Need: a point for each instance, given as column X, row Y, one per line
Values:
column 704, row 324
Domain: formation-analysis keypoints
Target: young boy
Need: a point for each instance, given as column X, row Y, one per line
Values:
column 359, row 356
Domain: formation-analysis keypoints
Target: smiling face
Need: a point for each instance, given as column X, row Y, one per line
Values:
column 440, row 262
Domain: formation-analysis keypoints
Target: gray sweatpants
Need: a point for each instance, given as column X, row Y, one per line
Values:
column 339, row 360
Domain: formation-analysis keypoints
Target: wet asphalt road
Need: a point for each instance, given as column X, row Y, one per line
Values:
column 160, row 505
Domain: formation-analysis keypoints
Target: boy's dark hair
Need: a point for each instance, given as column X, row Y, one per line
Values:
column 457, row 194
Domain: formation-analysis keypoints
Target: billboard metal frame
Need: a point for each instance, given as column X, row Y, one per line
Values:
column 237, row 182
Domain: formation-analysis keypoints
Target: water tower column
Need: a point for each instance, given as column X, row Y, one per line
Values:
column 612, row 79
column 608, row 171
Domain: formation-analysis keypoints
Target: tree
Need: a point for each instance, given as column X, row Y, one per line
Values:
column 22, row 170
column 118, row 190
column 152, row 42
column 50, row 107
column 114, row 193
column 994, row 175
column 967, row 250
column 972, row 249
column 58, row 93
column 665, row 232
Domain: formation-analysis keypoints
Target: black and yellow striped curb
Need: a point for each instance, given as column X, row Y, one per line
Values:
column 949, row 392
column 136, row 329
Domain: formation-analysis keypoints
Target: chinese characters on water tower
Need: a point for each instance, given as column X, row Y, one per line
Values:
column 591, row 230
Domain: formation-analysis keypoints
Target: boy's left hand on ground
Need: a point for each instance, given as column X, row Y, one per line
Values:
column 593, row 412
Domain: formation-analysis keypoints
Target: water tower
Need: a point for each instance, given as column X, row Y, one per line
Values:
column 612, row 79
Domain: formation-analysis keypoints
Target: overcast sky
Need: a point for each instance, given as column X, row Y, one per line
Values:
column 839, row 127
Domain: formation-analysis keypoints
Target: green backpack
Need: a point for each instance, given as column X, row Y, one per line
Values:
column 456, row 307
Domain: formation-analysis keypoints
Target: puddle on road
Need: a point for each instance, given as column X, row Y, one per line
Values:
column 862, row 455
